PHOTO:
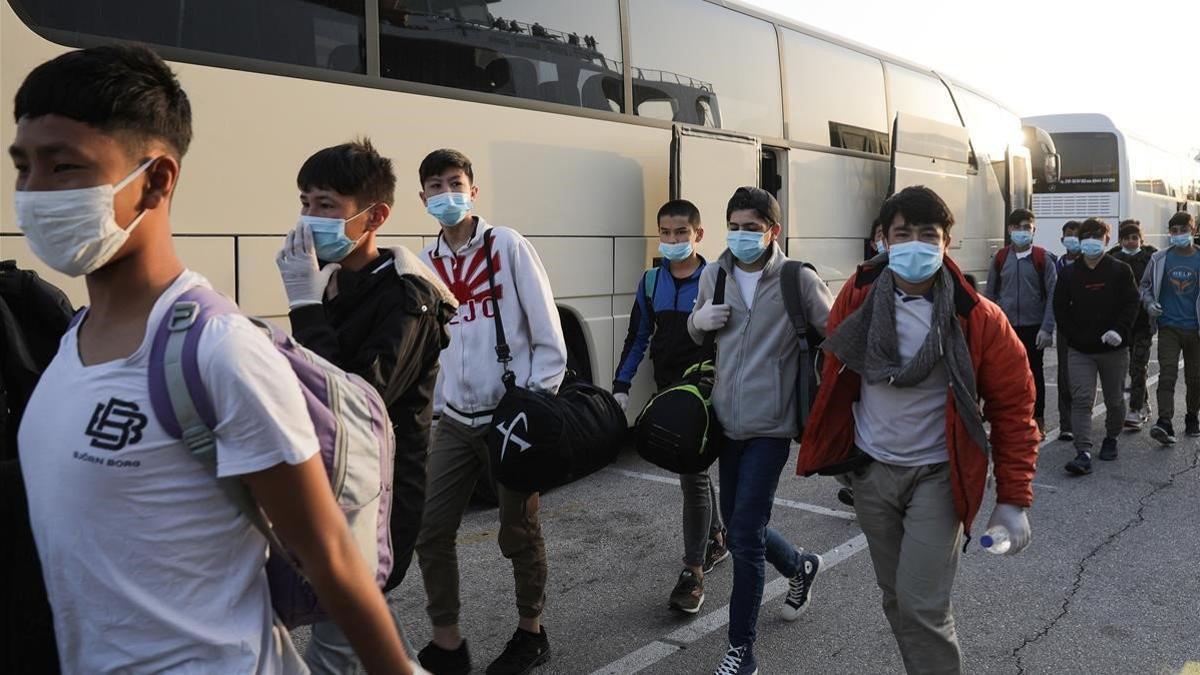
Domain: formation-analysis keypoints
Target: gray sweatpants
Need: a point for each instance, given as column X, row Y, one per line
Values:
column 701, row 516
column 1110, row 367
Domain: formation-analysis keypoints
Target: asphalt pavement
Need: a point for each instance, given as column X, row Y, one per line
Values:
column 1110, row 583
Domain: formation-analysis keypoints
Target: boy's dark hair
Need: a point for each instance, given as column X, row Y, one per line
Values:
column 919, row 205
column 353, row 169
column 1128, row 227
column 1094, row 228
column 759, row 201
column 1019, row 215
column 680, row 207
column 438, row 161
column 876, row 226
column 1070, row 226
column 125, row 91
column 1181, row 218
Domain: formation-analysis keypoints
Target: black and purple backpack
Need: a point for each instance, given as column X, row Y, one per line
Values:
column 351, row 423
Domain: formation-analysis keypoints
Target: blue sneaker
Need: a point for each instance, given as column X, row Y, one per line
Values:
column 737, row 661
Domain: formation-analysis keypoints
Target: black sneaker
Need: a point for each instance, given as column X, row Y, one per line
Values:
column 737, row 661
column 845, row 495
column 1081, row 465
column 800, row 587
column 688, row 594
column 524, row 652
column 1191, row 425
column 1108, row 449
column 1066, row 436
column 716, row 552
column 1163, row 432
column 440, row 661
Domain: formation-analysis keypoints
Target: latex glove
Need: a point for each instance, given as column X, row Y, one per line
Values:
column 1044, row 340
column 622, row 400
column 1014, row 519
column 417, row 669
column 710, row 317
column 303, row 281
column 1155, row 310
column 1111, row 338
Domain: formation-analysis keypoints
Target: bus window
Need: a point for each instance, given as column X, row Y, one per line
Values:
column 318, row 33
column 920, row 94
column 557, row 51
column 835, row 95
column 1088, row 163
column 721, row 67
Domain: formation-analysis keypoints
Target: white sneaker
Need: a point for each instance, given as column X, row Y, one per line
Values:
column 737, row 661
column 1134, row 420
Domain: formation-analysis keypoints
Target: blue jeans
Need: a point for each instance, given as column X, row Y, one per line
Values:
column 749, row 475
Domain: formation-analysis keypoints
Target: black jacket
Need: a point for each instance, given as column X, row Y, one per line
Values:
column 1090, row 302
column 1138, row 263
column 389, row 328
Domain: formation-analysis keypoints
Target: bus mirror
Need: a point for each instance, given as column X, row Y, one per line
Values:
column 1052, row 165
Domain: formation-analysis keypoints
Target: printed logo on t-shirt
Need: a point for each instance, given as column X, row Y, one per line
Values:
column 116, row 424
column 1182, row 278
column 469, row 283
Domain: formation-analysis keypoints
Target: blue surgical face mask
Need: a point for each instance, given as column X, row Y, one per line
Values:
column 329, row 236
column 1021, row 237
column 449, row 207
column 1071, row 244
column 1091, row 248
column 745, row 245
column 1130, row 251
column 915, row 261
column 1180, row 239
column 675, row 252
column 880, row 247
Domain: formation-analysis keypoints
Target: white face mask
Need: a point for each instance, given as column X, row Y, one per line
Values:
column 75, row 231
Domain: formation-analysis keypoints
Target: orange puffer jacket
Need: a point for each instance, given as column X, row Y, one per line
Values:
column 1002, row 379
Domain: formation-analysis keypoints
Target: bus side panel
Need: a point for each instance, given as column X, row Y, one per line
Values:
column 833, row 200
column 981, row 229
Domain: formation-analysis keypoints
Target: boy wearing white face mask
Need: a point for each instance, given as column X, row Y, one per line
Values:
column 754, row 397
column 665, row 297
column 471, row 387
column 1133, row 251
column 1021, row 280
column 1095, row 303
column 1070, row 242
column 378, row 313
column 149, row 564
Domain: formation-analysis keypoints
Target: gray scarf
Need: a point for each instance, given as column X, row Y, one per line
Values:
column 867, row 343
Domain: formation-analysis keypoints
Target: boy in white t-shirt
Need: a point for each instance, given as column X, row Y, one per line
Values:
column 148, row 565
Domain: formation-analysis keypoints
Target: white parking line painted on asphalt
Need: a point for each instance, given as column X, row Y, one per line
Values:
column 658, row 650
column 800, row 506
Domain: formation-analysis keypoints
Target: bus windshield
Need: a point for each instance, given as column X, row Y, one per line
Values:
column 1089, row 163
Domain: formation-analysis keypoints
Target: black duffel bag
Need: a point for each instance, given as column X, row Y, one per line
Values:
column 675, row 428
column 540, row 440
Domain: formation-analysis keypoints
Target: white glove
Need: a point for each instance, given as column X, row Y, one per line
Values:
column 1111, row 338
column 1014, row 520
column 710, row 317
column 622, row 400
column 1044, row 340
column 416, row 668
column 1155, row 310
column 303, row 281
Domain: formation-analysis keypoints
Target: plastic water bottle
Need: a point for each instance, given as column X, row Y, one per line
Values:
column 995, row 540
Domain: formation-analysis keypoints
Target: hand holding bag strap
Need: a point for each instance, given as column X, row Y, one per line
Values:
column 503, row 354
column 710, row 338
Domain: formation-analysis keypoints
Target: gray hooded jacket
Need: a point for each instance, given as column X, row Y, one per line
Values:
column 757, row 351
column 1150, row 285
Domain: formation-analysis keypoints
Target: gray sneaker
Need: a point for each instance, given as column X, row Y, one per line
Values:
column 688, row 594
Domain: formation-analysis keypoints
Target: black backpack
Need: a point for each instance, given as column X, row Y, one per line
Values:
column 808, row 375
column 539, row 440
column 674, row 429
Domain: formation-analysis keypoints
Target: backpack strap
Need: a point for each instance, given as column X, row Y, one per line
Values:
column 793, row 299
column 1039, row 264
column 503, row 354
column 180, row 401
column 998, row 263
column 649, row 283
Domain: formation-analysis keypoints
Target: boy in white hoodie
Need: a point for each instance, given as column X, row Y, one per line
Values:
column 471, row 387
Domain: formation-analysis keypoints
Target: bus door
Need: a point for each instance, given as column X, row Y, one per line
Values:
column 707, row 166
column 934, row 154
column 1018, row 180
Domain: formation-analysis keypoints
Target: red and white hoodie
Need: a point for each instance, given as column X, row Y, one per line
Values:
column 470, row 382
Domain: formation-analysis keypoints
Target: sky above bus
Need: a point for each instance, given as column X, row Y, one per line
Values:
column 1139, row 67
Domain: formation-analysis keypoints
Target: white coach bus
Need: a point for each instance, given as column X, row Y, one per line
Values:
column 1109, row 174
column 582, row 117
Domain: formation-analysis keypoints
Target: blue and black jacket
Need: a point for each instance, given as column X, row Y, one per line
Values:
column 660, row 323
